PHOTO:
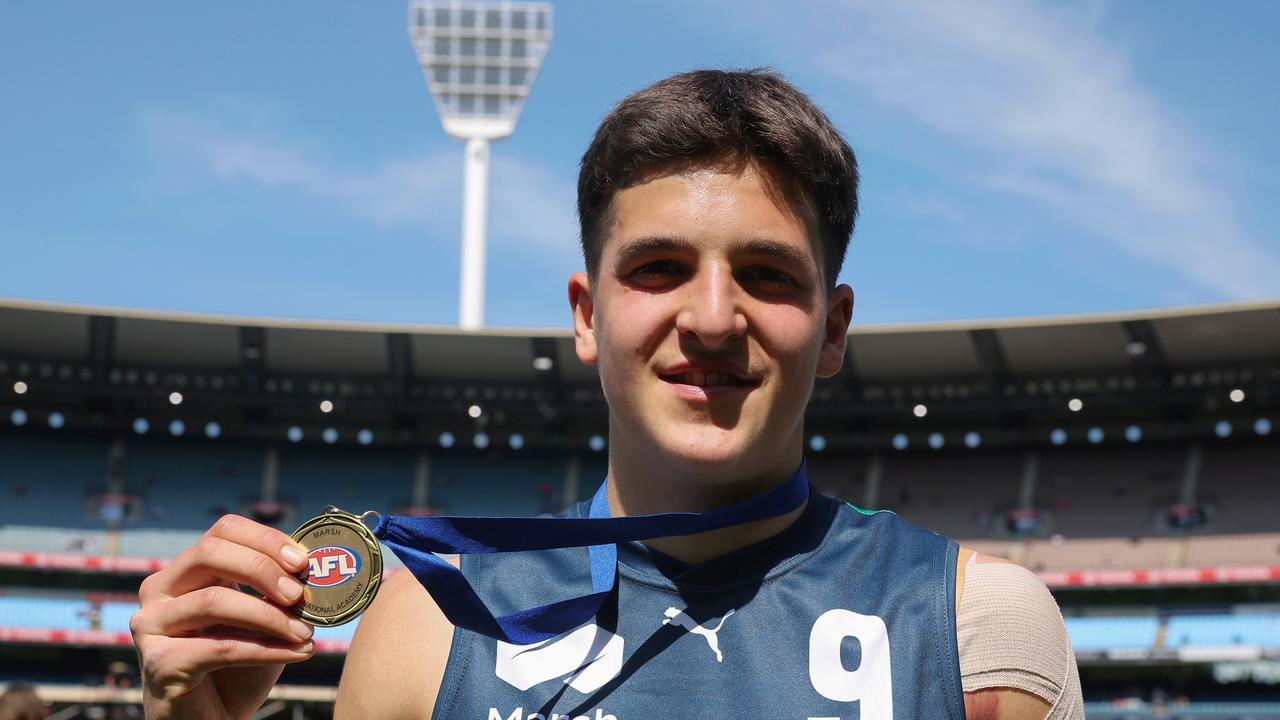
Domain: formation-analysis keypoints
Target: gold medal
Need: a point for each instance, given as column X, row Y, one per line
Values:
column 344, row 567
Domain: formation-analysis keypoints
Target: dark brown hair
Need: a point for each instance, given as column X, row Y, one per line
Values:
column 715, row 116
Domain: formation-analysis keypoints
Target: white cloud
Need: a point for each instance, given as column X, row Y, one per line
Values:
column 1051, row 112
column 528, row 203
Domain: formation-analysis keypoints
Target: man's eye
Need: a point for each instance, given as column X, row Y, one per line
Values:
column 771, row 276
column 660, row 268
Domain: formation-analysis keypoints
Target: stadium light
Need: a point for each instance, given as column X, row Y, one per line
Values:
column 474, row 411
column 330, row 436
column 18, row 417
column 817, row 443
column 1096, row 435
column 480, row 60
column 1222, row 429
column 1133, row 433
column 56, row 420
column 596, row 443
column 175, row 398
column 901, row 441
column 920, row 410
column 972, row 439
column 20, row 388
column 446, row 439
column 294, row 434
column 542, row 363
column 936, row 441
column 1058, row 436
column 481, row 440
column 212, row 430
column 177, row 428
column 516, row 441
column 141, row 426
column 1075, row 404
column 365, row 437
column 326, row 406
column 1237, row 395
column 1262, row 426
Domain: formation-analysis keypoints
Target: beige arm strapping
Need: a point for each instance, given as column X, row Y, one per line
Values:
column 1011, row 634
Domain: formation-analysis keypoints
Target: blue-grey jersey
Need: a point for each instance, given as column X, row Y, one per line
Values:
column 846, row 614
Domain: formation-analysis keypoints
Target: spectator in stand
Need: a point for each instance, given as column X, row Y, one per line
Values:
column 20, row 702
column 121, row 676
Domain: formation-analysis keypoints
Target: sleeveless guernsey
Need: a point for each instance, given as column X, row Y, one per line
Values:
column 846, row 614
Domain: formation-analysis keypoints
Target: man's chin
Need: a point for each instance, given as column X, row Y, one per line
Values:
column 709, row 453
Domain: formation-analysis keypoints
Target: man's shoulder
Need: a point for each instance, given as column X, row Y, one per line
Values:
column 1014, row 584
column 1005, row 615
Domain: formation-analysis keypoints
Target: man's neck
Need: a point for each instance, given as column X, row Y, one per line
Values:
column 654, row 489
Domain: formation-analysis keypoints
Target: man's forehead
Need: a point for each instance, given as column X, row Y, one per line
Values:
column 666, row 212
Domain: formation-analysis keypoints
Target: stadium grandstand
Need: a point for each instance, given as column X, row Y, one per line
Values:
column 1129, row 459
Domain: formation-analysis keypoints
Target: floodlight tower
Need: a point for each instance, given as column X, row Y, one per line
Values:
column 480, row 59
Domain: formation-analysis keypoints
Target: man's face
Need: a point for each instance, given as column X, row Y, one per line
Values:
column 709, row 321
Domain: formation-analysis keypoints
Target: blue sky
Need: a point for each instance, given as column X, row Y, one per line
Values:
column 285, row 159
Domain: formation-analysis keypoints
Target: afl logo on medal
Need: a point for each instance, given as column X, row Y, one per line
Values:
column 344, row 567
column 331, row 566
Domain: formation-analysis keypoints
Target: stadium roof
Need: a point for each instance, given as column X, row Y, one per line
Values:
column 1012, row 348
column 1177, row 373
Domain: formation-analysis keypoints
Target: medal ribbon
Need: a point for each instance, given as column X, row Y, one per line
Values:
column 415, row 540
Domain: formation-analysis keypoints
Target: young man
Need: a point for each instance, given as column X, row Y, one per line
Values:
column 715, row 210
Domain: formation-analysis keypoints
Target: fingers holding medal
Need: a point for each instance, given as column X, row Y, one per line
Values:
column 194, row 622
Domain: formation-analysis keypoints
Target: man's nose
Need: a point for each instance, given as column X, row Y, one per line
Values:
column 712, row 307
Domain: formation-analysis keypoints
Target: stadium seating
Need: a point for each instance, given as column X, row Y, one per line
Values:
column 1112, row 633
column 465, row 483
column 1196, row 710
column 1262, row 629
column 157, row 543
column 1238, row 481
column 61, row 613
column 352, row 478
column 36, row 538
column 1109, row 491
column 115, row 615
column 187, row 484
column 842, row 475
column 49, row 475
column 957, row 493
column 592, row 469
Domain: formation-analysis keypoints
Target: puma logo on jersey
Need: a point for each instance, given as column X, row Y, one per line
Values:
column 590, row 656
column 676, row 616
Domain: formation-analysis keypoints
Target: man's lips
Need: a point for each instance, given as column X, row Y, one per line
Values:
column 705, row 384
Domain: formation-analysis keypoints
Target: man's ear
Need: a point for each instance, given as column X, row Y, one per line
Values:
column 584, row 322
column 836, row 332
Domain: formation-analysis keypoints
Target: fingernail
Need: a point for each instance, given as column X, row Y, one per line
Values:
column 292, row 555
column 301, row 629
column 289, row 587
column 305, row 647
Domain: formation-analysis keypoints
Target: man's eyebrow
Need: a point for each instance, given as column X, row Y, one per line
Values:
column 772, row 248
column 639, row 247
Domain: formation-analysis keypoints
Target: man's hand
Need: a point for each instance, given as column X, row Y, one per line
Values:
column 206, row 649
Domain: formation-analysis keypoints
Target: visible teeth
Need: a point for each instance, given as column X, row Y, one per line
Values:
column 705, row 379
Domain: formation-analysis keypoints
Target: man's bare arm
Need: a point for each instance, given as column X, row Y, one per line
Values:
column 398, row 656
